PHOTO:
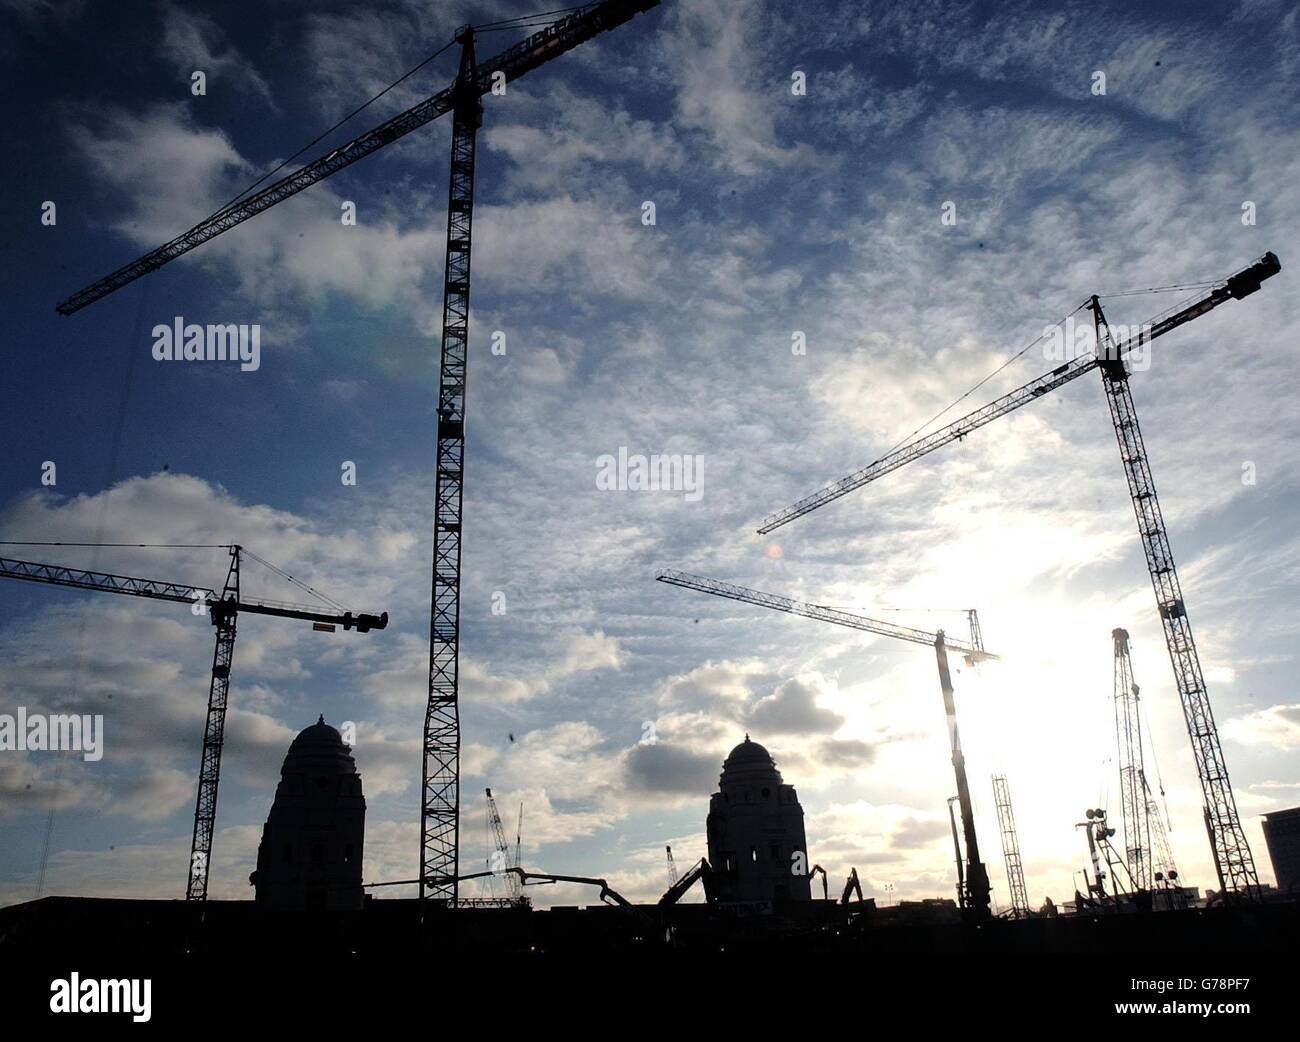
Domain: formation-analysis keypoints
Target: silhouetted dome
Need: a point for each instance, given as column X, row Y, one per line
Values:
column 748, row 754
column 755, row 829
column 318, row 734
column 314, row 838
column 319, row 746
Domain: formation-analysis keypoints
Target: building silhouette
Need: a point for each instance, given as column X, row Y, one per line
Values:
column 756, row 833
column 1282, row 833
column 310, row 854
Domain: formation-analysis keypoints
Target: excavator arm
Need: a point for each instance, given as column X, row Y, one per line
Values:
column 817, row 869
column 608, row 895
column 851, row 886
column 700, row 870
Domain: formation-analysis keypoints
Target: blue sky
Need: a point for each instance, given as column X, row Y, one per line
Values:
column 775, row 214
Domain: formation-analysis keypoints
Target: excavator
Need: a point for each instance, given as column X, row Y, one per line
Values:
column 851, row 885
column 701, row 871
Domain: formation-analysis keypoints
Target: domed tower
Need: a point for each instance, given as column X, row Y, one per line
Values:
column 755, row 828
column 310, row 854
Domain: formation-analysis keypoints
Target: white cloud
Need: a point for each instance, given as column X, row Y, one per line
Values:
column 194, row 42
column 710, row 50
column 175, row 173
column 1277, row 727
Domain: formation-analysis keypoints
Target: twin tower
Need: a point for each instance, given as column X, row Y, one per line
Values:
column 312, row 843
column 310, row 855
column 756, row 837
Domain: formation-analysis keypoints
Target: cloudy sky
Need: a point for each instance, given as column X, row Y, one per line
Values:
column 777, row 213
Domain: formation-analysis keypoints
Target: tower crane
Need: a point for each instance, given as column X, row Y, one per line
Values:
column 440, row 774
column 1232, row 857
column 1146, row 842
column 972, row 620
column 223, row 610
column 1011, row 848
column 975, row 892
column 957, row 855
column 519, row 836
column 672, row 868
column 501, row 862
column 1133, row 797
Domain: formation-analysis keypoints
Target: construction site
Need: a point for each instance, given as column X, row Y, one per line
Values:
column 476, row 889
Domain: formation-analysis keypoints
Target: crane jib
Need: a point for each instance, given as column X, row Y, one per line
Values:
column 529, row 54
column 209, row 600
column 820, row 612
column 1234, row 287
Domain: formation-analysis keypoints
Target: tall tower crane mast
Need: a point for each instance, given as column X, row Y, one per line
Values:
column 501, row 849
column 975, row 889
column 957, row 854
column 1011, row 848
column 440, row 767
column 976, row 635
column 1134, row 804
column 1232, row 856
column 519, row 837
column 1149, row 858
column 223, row 610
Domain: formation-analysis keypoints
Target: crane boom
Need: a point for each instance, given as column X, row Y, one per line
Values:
column 155, row 589
column 530, row 53
column 81, row 579
column 914, row 450
column 1236, row 286
column 816, row 611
